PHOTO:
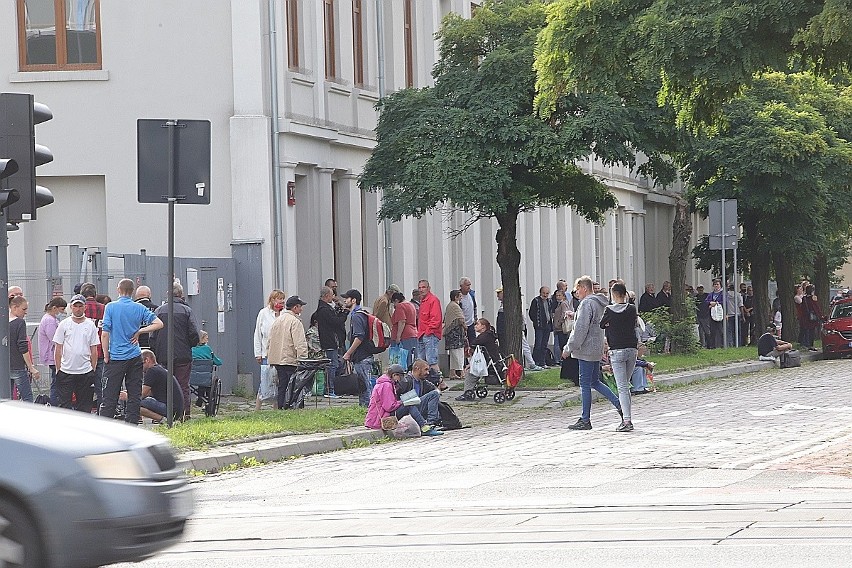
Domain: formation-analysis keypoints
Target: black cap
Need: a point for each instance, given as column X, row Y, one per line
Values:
column 354, row 294
column 294, row 301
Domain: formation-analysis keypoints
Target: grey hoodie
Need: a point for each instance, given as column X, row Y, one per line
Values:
column 587, row 338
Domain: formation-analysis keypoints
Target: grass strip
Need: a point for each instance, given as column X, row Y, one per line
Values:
column 201, row 433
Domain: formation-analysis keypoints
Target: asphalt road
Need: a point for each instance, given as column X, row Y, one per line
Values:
column 745, row 471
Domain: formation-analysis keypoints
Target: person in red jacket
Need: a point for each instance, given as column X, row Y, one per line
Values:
column 430, row 322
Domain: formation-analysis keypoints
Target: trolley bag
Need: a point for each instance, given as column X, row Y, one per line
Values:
column 449, row 419
column 791, row 359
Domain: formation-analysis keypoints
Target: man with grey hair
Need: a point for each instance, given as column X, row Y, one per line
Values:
column 468, row 306
column 143, row 296
column 185, row 338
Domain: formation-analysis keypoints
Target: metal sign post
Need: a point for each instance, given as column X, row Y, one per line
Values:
column 183, row 147
column 724, row 233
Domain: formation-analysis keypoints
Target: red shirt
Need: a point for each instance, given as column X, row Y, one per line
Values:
column 404, row 311
column 95, row 312
column 431, row 320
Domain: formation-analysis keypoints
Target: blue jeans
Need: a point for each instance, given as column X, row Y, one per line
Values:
column 427, row 349
column 638, row 381
column 429, row 406
column 21, row 378
column 364, row 368
column 623, row 361
column 332, row 355
column 412, row 411
column 411, row 345
column 590, row 378
column 542, row 338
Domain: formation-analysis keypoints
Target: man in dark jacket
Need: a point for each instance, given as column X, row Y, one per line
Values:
column 428, row 393
column 542, row 320
column 647, row 301
column 185, row 338
column 143, row 296
column 331, row 326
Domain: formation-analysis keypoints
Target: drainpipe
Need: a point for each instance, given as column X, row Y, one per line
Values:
column 277, row 213
column 380, row 40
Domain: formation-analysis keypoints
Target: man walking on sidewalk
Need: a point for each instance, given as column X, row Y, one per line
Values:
column 586, row 345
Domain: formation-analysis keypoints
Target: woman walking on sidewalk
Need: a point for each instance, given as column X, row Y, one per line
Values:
column 619, row 324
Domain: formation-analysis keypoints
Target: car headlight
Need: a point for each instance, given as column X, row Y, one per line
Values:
column 114, row 465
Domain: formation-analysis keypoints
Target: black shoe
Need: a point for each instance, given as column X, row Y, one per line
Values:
column 466, row 396
column 625, row 427
column 581, row 425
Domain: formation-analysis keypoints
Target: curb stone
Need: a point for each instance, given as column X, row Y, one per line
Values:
column 274, row 448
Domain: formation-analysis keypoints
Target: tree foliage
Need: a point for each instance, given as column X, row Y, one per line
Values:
column 475, row 141
column 704, row 51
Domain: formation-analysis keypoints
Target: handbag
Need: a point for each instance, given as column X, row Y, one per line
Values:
column 398, row 356
column 410, row 398
column 717, row 313
column 389, row 422
column 478, row 364
column 567, row 325
column 349, row 382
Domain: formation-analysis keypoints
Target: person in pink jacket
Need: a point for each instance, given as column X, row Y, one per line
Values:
column 385, row 402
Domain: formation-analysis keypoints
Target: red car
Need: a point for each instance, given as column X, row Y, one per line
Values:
column 837, row 331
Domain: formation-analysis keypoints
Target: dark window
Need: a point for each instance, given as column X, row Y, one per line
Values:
column 358, row 42
column 328, row 25
column 409, row 44
column 59, row 34
column 293, row 34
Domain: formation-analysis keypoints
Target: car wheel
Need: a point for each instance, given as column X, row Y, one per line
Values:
column 20, row 544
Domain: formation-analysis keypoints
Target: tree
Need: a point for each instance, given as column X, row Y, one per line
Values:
column 475, row 142
column 782, row 153
column 705, row 52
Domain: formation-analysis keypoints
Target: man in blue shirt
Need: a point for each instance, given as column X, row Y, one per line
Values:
column 124, row 320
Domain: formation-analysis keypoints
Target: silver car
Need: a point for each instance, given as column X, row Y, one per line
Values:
column 82, row 491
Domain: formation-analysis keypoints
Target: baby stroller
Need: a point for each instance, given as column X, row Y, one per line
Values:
column 205, row 385
column 498, row 375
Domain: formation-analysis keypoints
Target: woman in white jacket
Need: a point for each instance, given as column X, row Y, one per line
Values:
column 265, row 318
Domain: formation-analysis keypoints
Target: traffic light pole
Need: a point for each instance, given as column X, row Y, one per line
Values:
column 5, row 374
column 170, row 333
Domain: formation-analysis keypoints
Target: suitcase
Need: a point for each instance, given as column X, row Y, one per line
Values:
column 791, row 359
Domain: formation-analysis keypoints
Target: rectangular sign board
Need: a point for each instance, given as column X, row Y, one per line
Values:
column 730, row 233
column 191, row 160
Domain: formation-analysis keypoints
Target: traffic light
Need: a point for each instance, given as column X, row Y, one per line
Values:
column 7, row 196
column 19, row 114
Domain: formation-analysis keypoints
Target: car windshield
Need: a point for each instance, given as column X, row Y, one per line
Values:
column 841, row 311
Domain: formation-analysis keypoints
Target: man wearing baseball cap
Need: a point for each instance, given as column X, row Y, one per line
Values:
column 287, row 344
column 76, row 356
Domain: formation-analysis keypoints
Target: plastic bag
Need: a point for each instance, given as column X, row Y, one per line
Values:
column 268, row 388
column 478, row 364
column 398, row 356
column 407, row 428
column 717, row 313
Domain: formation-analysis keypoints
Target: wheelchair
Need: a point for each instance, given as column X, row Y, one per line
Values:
column 205, row 385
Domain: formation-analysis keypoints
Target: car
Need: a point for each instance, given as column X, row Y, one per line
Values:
column 837, row 331
column 78, row 490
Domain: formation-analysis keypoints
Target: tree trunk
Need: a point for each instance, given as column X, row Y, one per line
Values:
column 822, row 282
column 509, row 261
column 784, row 277
column 681, row 234
column 759, row 262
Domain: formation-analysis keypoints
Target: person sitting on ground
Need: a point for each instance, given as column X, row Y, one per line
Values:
column 486, row 338
column 639, row 379
column 427, row 392
column 384, row 401
column 769, row 348
column 154, row 401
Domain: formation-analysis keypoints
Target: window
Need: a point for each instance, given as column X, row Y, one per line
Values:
column 409, row 45
column 328, row 25
column 293, row 34
column 358, row 42
column 59, row 34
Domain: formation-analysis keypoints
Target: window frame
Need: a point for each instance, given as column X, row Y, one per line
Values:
column 61, row 41
column 358, row 43
column 329, row 31
column 292, row 19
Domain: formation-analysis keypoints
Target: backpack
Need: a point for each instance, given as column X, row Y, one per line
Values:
column 449, row 420
column 378, row 334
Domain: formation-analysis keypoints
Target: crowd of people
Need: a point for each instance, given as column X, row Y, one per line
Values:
column 103, row 354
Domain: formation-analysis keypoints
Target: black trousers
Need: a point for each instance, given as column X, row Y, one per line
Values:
column 128, row 372
column 81, row 385
column 285, row 373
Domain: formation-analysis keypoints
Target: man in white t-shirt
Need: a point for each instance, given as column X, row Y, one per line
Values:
column 76, row 354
